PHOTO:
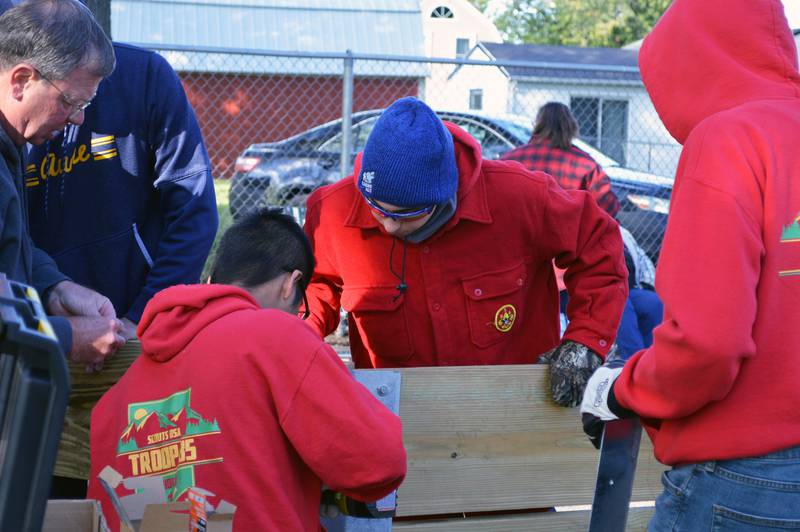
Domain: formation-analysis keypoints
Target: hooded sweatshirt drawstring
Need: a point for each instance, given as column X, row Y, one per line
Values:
column 401, row 288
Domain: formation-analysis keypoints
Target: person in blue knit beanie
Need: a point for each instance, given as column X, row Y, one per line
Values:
column 426, row 182
column 443, row 258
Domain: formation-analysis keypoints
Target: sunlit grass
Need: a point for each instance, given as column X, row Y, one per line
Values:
column 221, row 188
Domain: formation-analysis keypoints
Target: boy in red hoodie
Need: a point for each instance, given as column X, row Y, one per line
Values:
column 718, row 390
column 234, row 394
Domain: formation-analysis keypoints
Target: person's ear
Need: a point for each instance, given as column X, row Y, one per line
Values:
column 289, row 284
column 20, row 75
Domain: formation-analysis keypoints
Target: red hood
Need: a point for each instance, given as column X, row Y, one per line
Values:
column 175, row 315
column 468, row 159
column 706, row 56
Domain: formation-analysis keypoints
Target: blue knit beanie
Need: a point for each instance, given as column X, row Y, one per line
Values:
column 409, row 159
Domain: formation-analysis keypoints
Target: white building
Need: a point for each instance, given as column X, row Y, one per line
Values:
column 452, row 28
column 602, row 86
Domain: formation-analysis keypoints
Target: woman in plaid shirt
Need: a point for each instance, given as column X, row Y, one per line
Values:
column 550, row 150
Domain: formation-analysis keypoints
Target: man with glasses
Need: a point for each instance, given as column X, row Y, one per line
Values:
column 442, row 258
column 124, row 201
column 53, row 55
column 242, row 398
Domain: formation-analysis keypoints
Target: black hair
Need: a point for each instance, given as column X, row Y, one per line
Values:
column 555, row 122
column 259, row 247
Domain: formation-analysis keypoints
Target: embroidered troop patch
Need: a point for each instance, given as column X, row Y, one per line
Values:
column 504, row 318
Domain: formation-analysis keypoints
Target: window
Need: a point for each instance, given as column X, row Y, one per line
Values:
column 492, row 143
column 442, row 12
column 476, row 99
column 603, row 123
column 359, row 139
column 462, row 48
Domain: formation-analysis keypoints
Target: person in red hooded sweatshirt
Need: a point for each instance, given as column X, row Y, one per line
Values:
column 236, row 395
column 442, row 258
column 718, row 390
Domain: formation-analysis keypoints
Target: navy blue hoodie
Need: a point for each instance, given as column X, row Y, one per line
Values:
column 125, row 203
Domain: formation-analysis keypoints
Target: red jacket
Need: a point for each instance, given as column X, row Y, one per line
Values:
column 248, row 404
column 481, row 290
column 721, row 379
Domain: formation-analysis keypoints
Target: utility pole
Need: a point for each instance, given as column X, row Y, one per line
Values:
column 102, row 12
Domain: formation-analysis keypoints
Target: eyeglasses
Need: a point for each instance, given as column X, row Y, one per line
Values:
column 406, row 215
column 72, row 107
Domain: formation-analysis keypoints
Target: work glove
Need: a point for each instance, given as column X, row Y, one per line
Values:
column 571, row 365
column 599, row 404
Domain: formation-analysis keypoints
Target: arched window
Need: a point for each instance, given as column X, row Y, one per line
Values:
column 442, row 12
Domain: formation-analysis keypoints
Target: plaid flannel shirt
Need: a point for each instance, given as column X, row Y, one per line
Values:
column 572, row 169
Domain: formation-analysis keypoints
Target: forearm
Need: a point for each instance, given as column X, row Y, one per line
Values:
column 324, row 301
column 710, row 305
column 596, row 281
column 45, row 273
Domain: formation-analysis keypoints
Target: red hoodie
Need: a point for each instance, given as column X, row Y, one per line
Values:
column 481, row 290
column 247, row 403
column 721, row 379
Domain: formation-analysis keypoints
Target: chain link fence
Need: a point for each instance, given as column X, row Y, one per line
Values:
column 278, row 125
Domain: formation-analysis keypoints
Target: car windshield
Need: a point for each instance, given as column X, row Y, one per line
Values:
column 604, row 160
column 523, row 130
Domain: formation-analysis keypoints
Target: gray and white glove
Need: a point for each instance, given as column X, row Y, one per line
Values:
column 571, row 365
column 599, row 404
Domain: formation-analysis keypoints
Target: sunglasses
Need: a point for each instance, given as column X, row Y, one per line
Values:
column 406, row 215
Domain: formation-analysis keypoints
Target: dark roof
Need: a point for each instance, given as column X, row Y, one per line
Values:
column 567, row 61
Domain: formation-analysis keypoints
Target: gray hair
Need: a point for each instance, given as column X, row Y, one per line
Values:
column 56, row 37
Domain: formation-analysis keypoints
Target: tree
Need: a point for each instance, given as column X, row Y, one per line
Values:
column 612, row 23
column 480, row 4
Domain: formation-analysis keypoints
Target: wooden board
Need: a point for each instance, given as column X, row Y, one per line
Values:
column 539, row 522
column 489, row 438
column 481, row 438
column 73, row 452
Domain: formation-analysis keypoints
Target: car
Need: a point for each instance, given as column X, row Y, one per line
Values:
column 285, row 172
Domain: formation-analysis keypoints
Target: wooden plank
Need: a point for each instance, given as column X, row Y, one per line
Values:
column 489, row 438
column 539, row 522
column 514, row 449
column 87, row 388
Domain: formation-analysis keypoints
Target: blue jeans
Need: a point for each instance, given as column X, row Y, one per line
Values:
column 748, row 494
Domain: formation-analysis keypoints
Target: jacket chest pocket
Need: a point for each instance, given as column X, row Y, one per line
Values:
column 381, row 320
column 494, row 304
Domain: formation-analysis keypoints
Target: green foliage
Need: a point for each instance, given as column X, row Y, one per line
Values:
column 480, row 4
column 611, row 23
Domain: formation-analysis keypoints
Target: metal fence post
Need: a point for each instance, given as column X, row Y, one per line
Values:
column 347, row 112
